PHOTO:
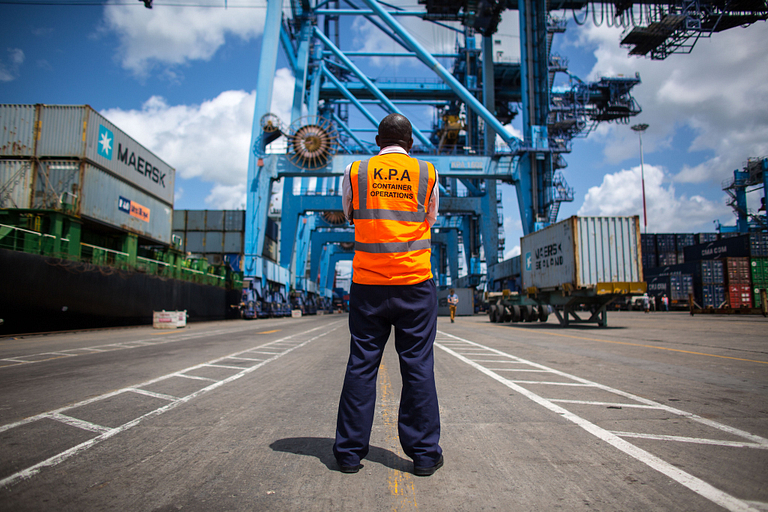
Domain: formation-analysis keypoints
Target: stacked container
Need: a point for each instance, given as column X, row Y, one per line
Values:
column 710, row 281
column 681, row 242
column 55, row 157
column 648, row 246
column 737, row 272
column 759, row 275
column 666, row 248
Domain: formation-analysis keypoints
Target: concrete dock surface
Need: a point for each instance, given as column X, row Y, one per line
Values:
column 659, row 411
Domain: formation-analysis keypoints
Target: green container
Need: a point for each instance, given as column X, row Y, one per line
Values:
column 759, row 270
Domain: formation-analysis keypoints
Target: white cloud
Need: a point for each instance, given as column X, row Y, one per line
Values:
column 177, row 35
column 210, row 141
column 621, row 194
column 227, row 197
column 10, row 71
column 719, row 91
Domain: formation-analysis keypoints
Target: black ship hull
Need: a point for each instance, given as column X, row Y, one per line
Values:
column 39, row 293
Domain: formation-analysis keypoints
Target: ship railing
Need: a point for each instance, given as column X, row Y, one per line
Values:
column 25, row 240
column 204, row 277
column 103, row 256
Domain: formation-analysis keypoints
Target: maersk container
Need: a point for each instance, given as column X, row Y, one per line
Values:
column 112, row 201
column 582, row 253
column 17, row 130
column 79, row 132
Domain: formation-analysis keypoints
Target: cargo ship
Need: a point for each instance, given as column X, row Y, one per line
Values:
column 86, row 229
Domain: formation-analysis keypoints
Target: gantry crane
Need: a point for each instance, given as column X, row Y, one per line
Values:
column 472, row 97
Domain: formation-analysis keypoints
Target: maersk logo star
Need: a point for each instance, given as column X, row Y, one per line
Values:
column 105, row 142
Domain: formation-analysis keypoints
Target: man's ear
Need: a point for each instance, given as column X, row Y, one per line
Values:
column 410, row 144
column 377, row 141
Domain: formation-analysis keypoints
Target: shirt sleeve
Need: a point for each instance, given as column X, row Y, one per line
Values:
column 346, row 193
column 434, row 202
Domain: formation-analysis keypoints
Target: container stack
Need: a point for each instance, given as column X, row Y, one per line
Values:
column 666, row 249
column 710, row 283
column 758, row 245
column 738, row 276
column 681, row 242
column 648, row 246
column 759, row 275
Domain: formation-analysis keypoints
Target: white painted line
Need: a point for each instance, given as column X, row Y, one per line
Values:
column 81, row 424
column 57, row 459
column 695, row 440
column 128, row 344
column 693, row 483
column 194, row 377
column 517, row 370
column 576, row 384
column 147, row 392
column 262, row 352
column 224, row 366
column 245, row 358
column 604, row 404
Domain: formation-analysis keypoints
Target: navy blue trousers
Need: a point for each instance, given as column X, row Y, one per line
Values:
column 373, row 311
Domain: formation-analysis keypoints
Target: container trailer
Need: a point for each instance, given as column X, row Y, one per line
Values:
column 579, row 263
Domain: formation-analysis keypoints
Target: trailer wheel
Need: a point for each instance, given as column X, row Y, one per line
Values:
column 533, row 313
column 515, row 313
column 543, row 313
column 492, row 313
column 507, row 314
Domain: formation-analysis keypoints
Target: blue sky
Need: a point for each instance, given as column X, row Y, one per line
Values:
column 181, row 81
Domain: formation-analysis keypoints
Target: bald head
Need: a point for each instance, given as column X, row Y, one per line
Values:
column 395, row 130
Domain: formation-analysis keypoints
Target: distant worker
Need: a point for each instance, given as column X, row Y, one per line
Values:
column 665, row 302
column 646, row 303
column 453, row 300
column 392, row 200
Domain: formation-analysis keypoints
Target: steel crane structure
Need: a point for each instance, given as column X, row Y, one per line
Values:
column 471, row 96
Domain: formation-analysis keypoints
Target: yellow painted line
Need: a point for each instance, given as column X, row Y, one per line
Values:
column 643, row 345
column 269, row 332
column 168, row 331
column 400, row 484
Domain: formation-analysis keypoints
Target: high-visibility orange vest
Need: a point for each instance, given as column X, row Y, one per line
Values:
column 390, row 196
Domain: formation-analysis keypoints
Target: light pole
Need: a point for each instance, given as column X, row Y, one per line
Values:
column 640, row 128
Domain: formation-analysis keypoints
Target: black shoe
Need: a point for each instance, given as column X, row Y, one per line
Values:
column 350, row 469
column 428, row 471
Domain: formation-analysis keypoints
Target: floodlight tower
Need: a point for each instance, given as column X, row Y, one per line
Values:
column 640, row 128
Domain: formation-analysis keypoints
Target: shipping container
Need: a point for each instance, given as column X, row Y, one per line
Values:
column 684, row 240
column 740, row 296
column 711, row 296
column 705, row 238
column 195, row 220
column 80, row 133
column 179, row 221
column 733, row 247
column 214, row 220
column 214, row 242
column 738, row 271
column 759, row 271
column 17, row 130
column 581, row 252
column 112, row 201
column 234, row 220
column 758, row 243
column 233, row 242
column 15, row 180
